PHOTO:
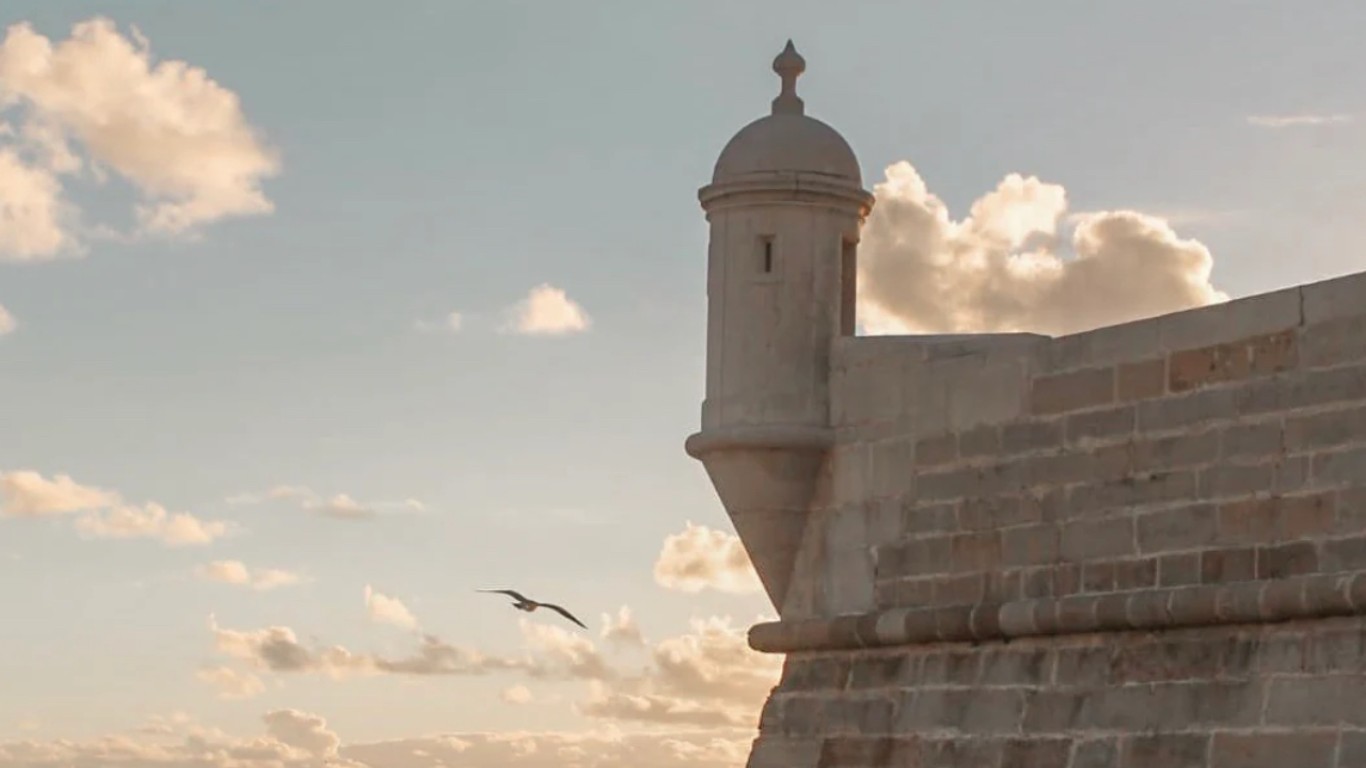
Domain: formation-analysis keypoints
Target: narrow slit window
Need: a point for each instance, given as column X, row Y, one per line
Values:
column 766, row 256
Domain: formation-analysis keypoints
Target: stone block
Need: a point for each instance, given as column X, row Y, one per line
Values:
column 1331, row 299
column 1195, row 368
column 931, row 518
column 1101, row 426
column 1223, row 481
column 1176, row 452
column 1283, row 561
column 1260, row 440
column 1325, row 430
column 936, row 450
column 1165, row 750
column 1112, row 344
column 1095, row 753
column 1273, row 750
column 1030, row 545
column 784, row 752
column 1182, row 412
column 979, row 441
column 1091, row 539
column 1032, row 436
column 1035, row 751
column 1230, row 321
column 1073, row 391
column 1178, row 570
column 1223, row 566
column 1333, row 342
column 1008, row 666
column 1339, row 468
column 1344, row 554
column 1170, row 530
column 1142, row 381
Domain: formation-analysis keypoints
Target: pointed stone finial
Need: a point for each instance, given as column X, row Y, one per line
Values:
column 789, row 65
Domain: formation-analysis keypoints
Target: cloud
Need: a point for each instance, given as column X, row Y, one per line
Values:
column 548, row 311
column 231, row 683
column 452, row 323
column 388, row 610
column 622, row 628
column 707, row 677
column 1294, row 121
column 33, row 213
column 277, row 649
column 340, row 506
column 702, row 558
column 150, row 521
column 175, row 135
column 236, row 572
column 7, row 322
column 26, row 493
column 1007, row 266
column 296, row 739
column 517, row 694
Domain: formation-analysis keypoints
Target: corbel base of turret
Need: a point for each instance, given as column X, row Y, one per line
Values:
column 766, row 478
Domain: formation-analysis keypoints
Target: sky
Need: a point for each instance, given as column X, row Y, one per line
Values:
column 316, row 317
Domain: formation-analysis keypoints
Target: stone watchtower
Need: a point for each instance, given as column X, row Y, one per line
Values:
column 1141, row 546
column 785, row 206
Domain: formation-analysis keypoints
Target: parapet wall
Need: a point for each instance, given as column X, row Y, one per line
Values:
column 1003, row 514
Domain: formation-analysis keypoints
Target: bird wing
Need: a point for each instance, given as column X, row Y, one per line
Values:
column 563, row 613
column 510, row 592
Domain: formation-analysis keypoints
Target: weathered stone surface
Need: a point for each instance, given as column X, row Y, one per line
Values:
column 1142, row 545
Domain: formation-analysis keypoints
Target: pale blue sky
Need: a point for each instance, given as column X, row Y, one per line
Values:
column 442, row 156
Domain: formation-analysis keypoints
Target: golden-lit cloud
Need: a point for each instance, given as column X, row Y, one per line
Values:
column 1010, row 266
column 385, row 609
column 25, row 493
column 231, row 683
column 706, row 677
column 516, row 694
column 701, row 558
column 7, row 322
column 548, row 311
column 237, row 573
column 622, row 628
column 177, row 137
column 290, row 738
column 339, row 506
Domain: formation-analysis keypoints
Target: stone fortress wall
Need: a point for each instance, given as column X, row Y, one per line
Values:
column 1139, row 546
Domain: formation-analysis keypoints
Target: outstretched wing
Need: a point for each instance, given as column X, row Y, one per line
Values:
column 510, row 592
column 563, row 613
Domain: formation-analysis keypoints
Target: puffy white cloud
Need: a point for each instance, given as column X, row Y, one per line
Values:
column 7, row 321
column 340, row 506
column 1007, row 266
column 1300, row 120
column 707, row 677
column 622, row 628
column 548, row 311
column 231, row 683
column 295, row 739
column 26, row 493
column 175, row 135
column 517, row 694
column 236, row 572
column 388, row 610
column 701, row 558
column 150, row 521
column 33, row 213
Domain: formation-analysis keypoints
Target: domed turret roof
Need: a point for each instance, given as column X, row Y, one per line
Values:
column 787, row 140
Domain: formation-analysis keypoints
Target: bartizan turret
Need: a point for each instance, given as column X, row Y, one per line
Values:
column 785, row 206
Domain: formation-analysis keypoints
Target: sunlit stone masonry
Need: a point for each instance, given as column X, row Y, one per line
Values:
column 1143, row 545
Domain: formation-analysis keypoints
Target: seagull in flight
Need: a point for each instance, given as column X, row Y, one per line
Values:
column 524, row 603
